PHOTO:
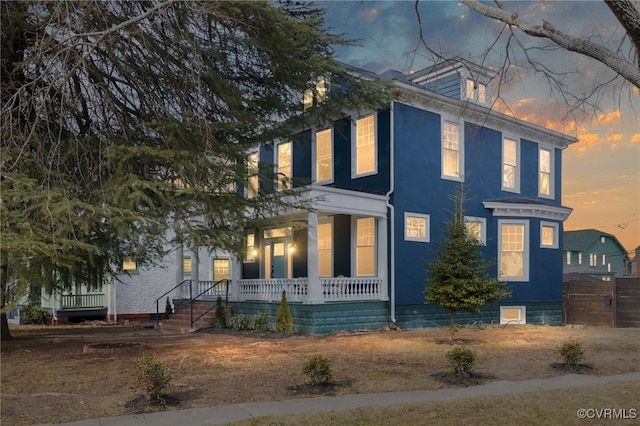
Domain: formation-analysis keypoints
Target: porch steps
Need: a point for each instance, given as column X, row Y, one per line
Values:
column 180, row 321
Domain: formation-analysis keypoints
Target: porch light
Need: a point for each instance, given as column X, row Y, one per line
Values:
column 254, row 252
column 292, row 249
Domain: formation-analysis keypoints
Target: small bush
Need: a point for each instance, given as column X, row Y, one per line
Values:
column 220, row 315
column 284, row 320
column 317, row 370
column 153, row 378
column 570, row 352
column 33, row 314
column 461, row 361
column 240, row 322
column 260, row 323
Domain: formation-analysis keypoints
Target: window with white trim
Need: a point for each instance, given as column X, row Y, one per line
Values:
column 130, row 265
column 476, row 228
column 220, row 268
column 365, row 155
column 284, row 166
column 513, row 252
column 250, row 256
column 324, row 156
column 325, row 249
column 452, row 163
column 513, row 314
column 545, row 175
column 476, row 92
column 365, row 247
column 549, row 235
column 416, row 227
column 510, row 169
column 186, row 265
column 252, row 173
column 311, row 98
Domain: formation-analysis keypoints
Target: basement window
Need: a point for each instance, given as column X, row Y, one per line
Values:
column 513, row 314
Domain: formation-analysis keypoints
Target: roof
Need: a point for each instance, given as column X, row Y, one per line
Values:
column 577, row 276
column 581, row 240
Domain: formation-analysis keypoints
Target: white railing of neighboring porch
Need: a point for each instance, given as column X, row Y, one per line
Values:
column 346, row 289
column 271, row 290
column 204, row 290
column 342, row 289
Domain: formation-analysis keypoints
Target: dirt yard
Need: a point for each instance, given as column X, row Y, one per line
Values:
column 65, row 373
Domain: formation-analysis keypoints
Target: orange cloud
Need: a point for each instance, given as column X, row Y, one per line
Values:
column 609, row 118
column 586, row 141
column 635, row 138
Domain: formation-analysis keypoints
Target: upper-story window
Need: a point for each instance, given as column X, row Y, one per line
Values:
column 545, row 176
column 313, row 97
column 252, row 173
column 251, row 253
column 452, row 160
column 476, row 228
column 130, row 265
column 476, row 92
column 510, row 168
column 324, row 156
column 549, row 235
column 365, row 155
column 416, row 227
column 284, row 166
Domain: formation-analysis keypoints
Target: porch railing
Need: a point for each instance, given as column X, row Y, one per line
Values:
column 82, row 301
column 346, row 289
column 271, row 289
column 342, row 289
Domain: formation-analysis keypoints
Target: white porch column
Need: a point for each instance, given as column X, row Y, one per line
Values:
column 179, row 264
column 382, row 260
column 314, row 287
column 195, row 272
column 236, row 276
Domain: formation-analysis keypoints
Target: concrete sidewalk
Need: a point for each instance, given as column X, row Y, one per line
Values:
column 222, row 414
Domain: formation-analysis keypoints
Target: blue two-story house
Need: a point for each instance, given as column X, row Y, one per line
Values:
column 379, row 187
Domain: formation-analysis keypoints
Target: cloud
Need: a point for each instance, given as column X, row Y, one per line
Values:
column 635, row 138
column 609, row 118
column 586, row 141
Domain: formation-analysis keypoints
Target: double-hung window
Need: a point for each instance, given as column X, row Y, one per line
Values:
column 476, row 228
column 253, row 176
column 129, row 265
column 284, row 166
column 325, row 249
column 510, row 169
column 545, row 176
column 324, row 156
column 251, row 253
column 186, row 265
column 220, row 268
column 365, row 155
column 452, row 163
column 365, row 247
column 513, row 243
column 549, row 235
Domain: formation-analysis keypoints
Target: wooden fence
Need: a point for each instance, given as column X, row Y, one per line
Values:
column 613, row 303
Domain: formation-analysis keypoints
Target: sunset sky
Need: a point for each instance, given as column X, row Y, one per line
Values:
column 601, row 173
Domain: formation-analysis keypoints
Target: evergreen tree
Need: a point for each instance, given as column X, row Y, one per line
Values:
column 284, row 320
column 457, row 275
column 220, row 314
column 122, row 121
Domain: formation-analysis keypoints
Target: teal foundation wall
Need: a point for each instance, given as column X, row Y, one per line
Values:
column 424, row 316
column 324, row 318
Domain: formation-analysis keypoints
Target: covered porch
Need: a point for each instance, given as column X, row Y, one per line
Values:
column 334, row 252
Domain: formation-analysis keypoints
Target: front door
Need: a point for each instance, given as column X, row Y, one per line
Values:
column 278, row 259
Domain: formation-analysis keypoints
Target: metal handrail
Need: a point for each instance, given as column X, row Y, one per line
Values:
column 166, row 293
column 226, row 299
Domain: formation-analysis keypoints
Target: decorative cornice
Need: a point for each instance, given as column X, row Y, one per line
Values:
column 542, row 211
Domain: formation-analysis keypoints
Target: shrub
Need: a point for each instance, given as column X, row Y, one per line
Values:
column 461, row 361
column 240, row 322
column 570, row 352
column 260, row 323
column 284, row 320
column 317, row 370
column 33, row 314
column 220, row 316
column 153, row 377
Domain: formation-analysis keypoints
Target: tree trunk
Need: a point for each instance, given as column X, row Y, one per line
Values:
column 5, row 334
column 452, row 324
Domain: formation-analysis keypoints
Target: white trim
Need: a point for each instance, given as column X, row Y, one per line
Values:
column 552, row 173
column 522, row 317
column 460, row 126
column 314, row 157
column 427, row 227
column 518, row 166
column 483, row 227
column 556, row 230
column 526, row 253
column 541, row 211
column 354, row 133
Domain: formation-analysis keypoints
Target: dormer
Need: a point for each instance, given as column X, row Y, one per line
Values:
column 316, row 95
column 458, row 79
